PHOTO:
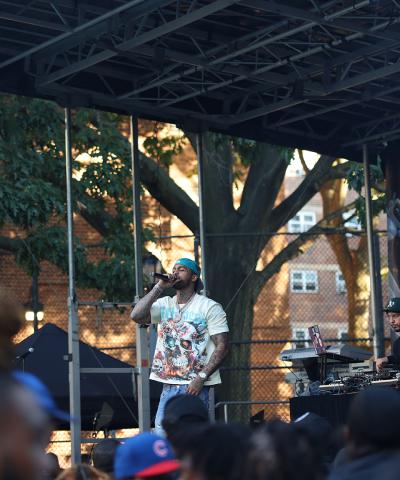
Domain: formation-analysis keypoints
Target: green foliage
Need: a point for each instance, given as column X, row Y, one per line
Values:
column 162, row 147
column 355, row 180
column 355, row 177
column 33, row 192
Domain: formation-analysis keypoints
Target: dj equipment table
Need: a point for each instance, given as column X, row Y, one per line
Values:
column 334, row 407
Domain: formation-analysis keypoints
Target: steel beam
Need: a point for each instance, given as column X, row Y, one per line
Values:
column 73, row 322
column 377, row 318
column 330, row 20
column 74, row 31
column 142, row 39
column 202, row 223
column 287, row 79
column 33, row 21
column 142, row 341
column 352, row 82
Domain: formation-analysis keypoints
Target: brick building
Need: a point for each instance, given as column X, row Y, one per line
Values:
column 307, row 290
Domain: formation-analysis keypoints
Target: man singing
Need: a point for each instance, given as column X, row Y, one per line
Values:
column 392, row 310
column 192, row 335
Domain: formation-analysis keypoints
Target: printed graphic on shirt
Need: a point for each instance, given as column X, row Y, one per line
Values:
column 181, row 348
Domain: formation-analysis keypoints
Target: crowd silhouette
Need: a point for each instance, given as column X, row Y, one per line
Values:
column 193, row 448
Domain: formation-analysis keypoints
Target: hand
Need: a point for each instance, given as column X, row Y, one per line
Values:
column 380, row 363
column 195, row 386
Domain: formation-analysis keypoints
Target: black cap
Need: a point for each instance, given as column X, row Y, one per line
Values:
column 103, row 454
column 393, row 305
column 185, row 407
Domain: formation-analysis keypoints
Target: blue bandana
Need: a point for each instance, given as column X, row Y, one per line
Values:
column 189, row 264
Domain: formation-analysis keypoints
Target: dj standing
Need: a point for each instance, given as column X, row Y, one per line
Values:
column 192, row 337
column 392, row 310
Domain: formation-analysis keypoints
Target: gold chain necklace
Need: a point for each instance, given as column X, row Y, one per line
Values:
column 182, row 309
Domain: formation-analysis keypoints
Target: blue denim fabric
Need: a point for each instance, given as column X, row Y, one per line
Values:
column 168, row 392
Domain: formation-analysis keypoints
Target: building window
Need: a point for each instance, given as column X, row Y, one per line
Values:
column 301, row 222
column 303, row 281
column 340, row 283
column 301, row 336
column 343, row 334
column 351, row 222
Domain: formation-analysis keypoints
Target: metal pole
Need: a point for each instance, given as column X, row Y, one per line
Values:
column 142, row 343
column 376, row 315
column 73, row 325
column 380, row 331
column 225, row 413
column 211, row 404
column 200, row 172
column 35, row 301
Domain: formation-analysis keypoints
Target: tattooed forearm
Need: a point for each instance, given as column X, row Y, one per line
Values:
column 141, row 311
column 221, row 351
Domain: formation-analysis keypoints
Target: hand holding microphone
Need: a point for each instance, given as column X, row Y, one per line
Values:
column 165, row 280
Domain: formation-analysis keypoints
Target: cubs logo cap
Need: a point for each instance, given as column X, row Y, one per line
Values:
column 145, row 455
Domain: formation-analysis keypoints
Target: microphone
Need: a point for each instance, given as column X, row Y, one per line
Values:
column 161, row 276
column 25, row 354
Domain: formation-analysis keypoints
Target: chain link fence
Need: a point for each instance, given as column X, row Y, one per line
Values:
column 311, row 288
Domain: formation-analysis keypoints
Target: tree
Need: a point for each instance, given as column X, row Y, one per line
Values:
column 351, row 252
column 32, row 194
column 33, row 197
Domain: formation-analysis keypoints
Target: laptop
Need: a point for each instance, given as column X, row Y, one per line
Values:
column 316, row 339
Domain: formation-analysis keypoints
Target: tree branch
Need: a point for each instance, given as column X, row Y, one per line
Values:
column 218, row 179
column 262, row 186
column 322, row 172
column 297, row 246
column 303, row 162
column 168, row 193
column 99, row 220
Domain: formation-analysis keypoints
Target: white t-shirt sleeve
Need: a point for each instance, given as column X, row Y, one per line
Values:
column 155, row 311
column 216, row 320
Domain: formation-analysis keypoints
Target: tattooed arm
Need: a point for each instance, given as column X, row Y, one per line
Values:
column 141, row 311
column 220, row 341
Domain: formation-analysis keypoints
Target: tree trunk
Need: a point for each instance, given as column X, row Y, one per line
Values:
column 358, row 294
column 235, row 294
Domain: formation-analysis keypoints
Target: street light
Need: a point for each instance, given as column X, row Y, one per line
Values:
column 33, row 308
column 151, row 265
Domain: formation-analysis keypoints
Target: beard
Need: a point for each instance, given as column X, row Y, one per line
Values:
column 180, row 285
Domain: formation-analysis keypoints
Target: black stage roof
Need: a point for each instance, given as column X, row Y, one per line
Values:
column 319, row 75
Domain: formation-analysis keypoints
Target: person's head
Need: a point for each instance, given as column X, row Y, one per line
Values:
column 104, row 453
column 42, row 395
column 373, row 420
column 188, row 273
column 182, row 414
column 11, row 321
column 145, row 456
column 53, row 467
column 392, row 310
column 320, row 432
column 281, row 451
column 24, row 432
column 82, row 472
column 216, row 452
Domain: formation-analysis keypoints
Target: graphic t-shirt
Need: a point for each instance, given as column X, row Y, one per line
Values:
column 184, row 345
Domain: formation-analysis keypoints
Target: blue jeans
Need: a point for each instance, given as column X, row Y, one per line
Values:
column 168, row 392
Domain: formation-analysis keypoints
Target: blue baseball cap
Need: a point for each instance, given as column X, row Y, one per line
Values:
column 192, row 265
column 42, row 395
column 144, row 455
column 187, row 262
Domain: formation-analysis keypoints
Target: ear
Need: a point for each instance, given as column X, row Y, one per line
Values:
column 194, row 278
